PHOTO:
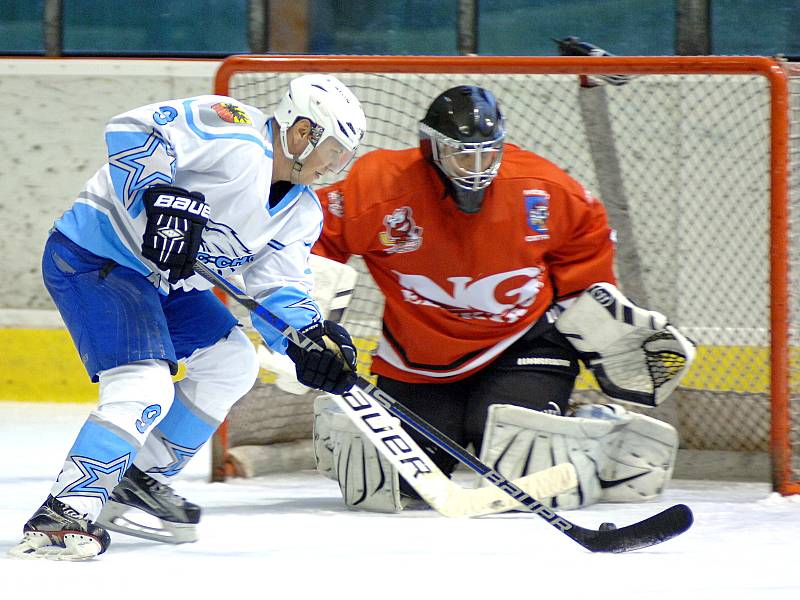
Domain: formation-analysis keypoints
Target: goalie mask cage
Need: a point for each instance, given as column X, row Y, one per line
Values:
column 692, row 158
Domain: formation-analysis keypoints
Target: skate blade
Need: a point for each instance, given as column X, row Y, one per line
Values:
column 122, row 518
column 37, row 545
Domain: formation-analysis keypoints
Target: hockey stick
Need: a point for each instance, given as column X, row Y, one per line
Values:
column 419, row 470
column 335, row 282
column 367, row 397
column 440, row 492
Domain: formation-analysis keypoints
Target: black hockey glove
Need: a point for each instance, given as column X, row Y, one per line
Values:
column 325, row 370
column 175, row 222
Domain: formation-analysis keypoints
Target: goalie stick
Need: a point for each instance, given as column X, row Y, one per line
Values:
column 653, row 530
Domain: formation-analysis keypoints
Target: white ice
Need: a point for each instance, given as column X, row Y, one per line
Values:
column 289, row 536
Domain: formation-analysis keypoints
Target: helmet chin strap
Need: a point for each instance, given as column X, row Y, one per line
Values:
column 297, row 159
column 285, row 144
column 297, row 166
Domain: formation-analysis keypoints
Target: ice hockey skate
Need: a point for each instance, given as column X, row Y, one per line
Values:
column 56, row 531
column 143, row 507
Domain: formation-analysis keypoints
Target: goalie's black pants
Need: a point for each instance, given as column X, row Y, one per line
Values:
column 536, row 372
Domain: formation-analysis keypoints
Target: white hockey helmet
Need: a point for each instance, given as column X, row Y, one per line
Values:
column 336, row 116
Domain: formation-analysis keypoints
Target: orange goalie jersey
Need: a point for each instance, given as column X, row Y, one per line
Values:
column 460, row 288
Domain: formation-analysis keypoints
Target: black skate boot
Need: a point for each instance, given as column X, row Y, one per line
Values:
column 59, row 532
column 139, row 493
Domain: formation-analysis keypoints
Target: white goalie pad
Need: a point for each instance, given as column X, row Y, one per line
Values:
column 634, row 354
column 366, row 479
column 367, row 453
column 334, row 283
column 618, row 456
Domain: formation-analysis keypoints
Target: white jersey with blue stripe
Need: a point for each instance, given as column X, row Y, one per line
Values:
column 223, row 149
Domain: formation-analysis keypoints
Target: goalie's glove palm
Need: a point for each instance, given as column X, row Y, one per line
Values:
column 333, row 369
column 633, row 352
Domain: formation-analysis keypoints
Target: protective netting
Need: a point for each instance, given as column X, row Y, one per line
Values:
column 794, row 271
column 682, row 162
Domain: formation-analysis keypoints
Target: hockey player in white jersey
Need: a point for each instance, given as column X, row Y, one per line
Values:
column 204, row 178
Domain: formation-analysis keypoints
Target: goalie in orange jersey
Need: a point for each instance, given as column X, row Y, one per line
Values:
column 478, row 247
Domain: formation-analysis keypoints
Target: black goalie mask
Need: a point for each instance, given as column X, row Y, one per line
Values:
column 462, row 134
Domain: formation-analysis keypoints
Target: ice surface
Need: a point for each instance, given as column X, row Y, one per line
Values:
column 289, row 536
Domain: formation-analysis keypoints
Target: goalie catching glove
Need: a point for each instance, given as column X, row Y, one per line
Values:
column 634, row 354
column 333, row 369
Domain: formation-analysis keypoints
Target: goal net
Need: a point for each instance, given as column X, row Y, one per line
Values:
column 692, row 158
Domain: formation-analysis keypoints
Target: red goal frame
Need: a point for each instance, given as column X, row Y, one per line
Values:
column 778, row 77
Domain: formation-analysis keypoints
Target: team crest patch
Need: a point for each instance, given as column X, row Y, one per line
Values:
column 401, row 233
column 537, row 209
column 231, row 113
column 336, row 203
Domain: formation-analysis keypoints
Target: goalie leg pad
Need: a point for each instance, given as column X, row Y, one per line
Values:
column 366, row 479
column 618, row 456
column 637, row 460
column 633, row 352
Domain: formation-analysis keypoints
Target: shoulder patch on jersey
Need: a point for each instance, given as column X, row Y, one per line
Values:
column 537, row 210
column 231, row 113
column 401, row 233
column 336, row 203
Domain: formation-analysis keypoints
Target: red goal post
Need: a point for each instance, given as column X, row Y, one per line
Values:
column 692, row 159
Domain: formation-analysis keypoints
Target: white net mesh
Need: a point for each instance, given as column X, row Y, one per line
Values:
column 682, row 163
column 794, row 272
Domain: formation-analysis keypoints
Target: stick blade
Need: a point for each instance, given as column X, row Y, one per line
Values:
column 649, row 532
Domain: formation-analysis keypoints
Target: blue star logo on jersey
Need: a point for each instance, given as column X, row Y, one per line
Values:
column 98, row 478
column 180, row 456
column 138, row 160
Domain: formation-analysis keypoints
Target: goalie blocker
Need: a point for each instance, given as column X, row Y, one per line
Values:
column 634, row 353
